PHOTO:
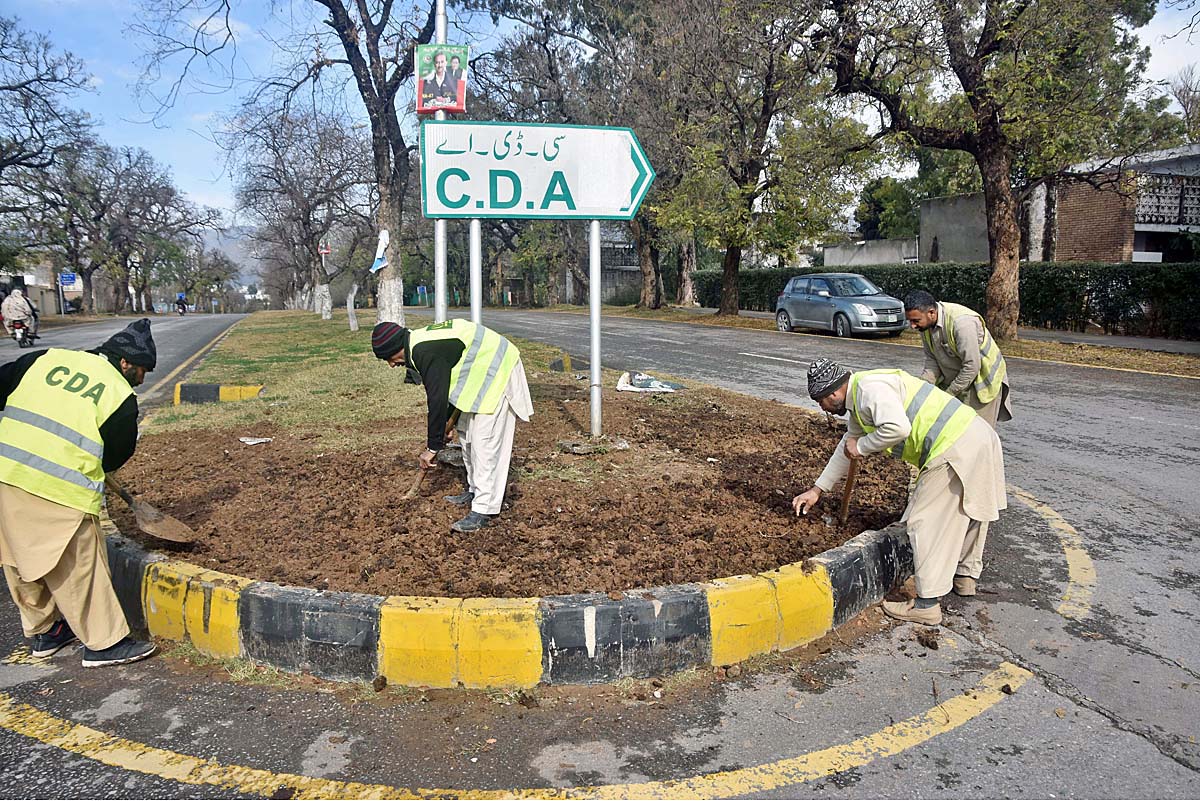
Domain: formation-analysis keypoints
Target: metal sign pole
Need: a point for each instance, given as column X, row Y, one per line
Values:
column 439, row 225
column 476, row 271
column 594, row 303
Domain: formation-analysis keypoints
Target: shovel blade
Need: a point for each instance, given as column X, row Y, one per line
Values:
column 162, row 526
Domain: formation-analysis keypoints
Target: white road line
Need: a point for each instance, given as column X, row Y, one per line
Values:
column 1160, row 422
column 773, row 358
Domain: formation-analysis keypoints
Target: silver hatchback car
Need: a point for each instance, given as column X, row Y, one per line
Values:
column 844, row 303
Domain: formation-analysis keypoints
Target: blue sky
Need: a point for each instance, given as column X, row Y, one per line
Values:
column 97, row 31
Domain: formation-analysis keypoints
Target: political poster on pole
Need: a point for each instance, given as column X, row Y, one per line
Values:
column 441, row 72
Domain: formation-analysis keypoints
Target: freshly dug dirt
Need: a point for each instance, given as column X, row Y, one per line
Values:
column 703, row 490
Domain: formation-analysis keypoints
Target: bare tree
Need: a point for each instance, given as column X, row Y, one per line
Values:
column 1185, row 88
column 35, row 81
column 366, row 37
column 299, row 176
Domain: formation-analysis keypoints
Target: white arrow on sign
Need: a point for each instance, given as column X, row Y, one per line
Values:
column 499, row 169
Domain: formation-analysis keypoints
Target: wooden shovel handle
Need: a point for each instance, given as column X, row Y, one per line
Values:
column 111, row 480
column 851, row 475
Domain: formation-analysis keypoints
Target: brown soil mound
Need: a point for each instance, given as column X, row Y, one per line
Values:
column 703, row 491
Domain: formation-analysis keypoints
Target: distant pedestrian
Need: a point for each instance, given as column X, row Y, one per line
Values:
column 475, row 372
column 68, row 418
column 960, row 483
column 961, row 356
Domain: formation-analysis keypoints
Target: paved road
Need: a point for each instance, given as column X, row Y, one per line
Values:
column 176, row 338
column 1110, row 709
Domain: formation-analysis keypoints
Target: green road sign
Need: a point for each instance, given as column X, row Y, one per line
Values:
column 553, row 172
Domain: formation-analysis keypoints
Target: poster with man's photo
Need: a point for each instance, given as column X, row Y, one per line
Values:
column 441, row 78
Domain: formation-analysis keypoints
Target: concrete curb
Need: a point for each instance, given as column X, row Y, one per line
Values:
column 216, row 393
column 505, row 642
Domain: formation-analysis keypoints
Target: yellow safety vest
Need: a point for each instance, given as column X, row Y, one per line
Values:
column 50, row 443
column 477, row 381
column 992, row 369
column 938, row 419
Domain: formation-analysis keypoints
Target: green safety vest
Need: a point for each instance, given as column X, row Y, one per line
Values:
column 992, row 369
column 50, row 443
column 478, row 379
column 938, row 419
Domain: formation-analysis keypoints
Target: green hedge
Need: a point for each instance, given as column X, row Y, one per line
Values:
column 1161, row 300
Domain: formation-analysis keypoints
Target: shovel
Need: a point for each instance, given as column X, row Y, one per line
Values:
column 150, row 519
column 851, row 475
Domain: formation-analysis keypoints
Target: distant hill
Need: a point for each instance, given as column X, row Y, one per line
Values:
column 233, row 243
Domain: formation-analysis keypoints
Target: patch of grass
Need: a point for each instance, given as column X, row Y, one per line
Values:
column 583, row 473
column 242, row 671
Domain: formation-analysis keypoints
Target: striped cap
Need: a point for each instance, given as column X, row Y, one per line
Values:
column 824, row 377
column 387, row 339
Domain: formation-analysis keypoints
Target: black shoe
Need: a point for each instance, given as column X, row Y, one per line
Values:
column 462, row 498
column 472, row 522
column 127, row 650
column 58, row 637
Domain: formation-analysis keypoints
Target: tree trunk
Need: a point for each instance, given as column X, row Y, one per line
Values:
column 1004, row 243
column 687, row 259
column 390, row 296
column 88, row 301
column 660, row 294
column 350, row 306
column 323, row 301
column 729, row 280
column 641, row 237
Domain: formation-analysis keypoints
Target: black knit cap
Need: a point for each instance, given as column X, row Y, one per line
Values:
column 134, row 344
column 387, row 339
column 824, row 378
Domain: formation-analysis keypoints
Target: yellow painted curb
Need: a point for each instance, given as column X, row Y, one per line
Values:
column 499, row 643
column 418, row 640
column 744, row 618
column 185, row 602
column 805, row 600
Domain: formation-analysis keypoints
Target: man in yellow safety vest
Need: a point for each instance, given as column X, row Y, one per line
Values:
column 475, row 375
column 960, row 483
column 68, row 418
column 961, row 357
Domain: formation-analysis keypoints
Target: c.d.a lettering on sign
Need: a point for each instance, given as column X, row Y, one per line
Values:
column 76, row 383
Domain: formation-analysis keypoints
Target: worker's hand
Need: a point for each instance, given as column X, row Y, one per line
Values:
column 852, row 448
column 427, row 457
column 451, row 430
column 806, row 500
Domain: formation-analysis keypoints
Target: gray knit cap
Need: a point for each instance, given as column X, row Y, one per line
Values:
column 824, row 377
column 134, row 344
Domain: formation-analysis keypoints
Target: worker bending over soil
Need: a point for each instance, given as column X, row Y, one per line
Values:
column 960, row 483
column 961, row 357
column 69, row 418
column 472, row 370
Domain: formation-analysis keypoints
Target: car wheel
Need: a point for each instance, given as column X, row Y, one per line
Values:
column 783, row 321
column 841, row 326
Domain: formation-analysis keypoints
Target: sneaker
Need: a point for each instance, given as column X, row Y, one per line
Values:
column 907, row 610
column 127, row 650
column 58, row 637
column 462, row 498
column 472, row 522
column 964, row 586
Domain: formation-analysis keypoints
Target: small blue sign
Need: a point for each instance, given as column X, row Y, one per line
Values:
column 66, row 279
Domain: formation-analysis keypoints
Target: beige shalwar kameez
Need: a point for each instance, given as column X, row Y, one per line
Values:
column 956, row 495
column 487, row 441
column 56, row 565
column 955, row 372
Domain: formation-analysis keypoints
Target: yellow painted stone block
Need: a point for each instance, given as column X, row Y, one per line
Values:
column 499, row 643
column 805, row 602
column 185, row 602
column 211, row 613
column 744, row 616
column 237, row 393
column 164, row 589
column 418, row 640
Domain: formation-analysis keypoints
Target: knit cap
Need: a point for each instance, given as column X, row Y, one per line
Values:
column 824, row 377
column 387, row 339
column 134, row 344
